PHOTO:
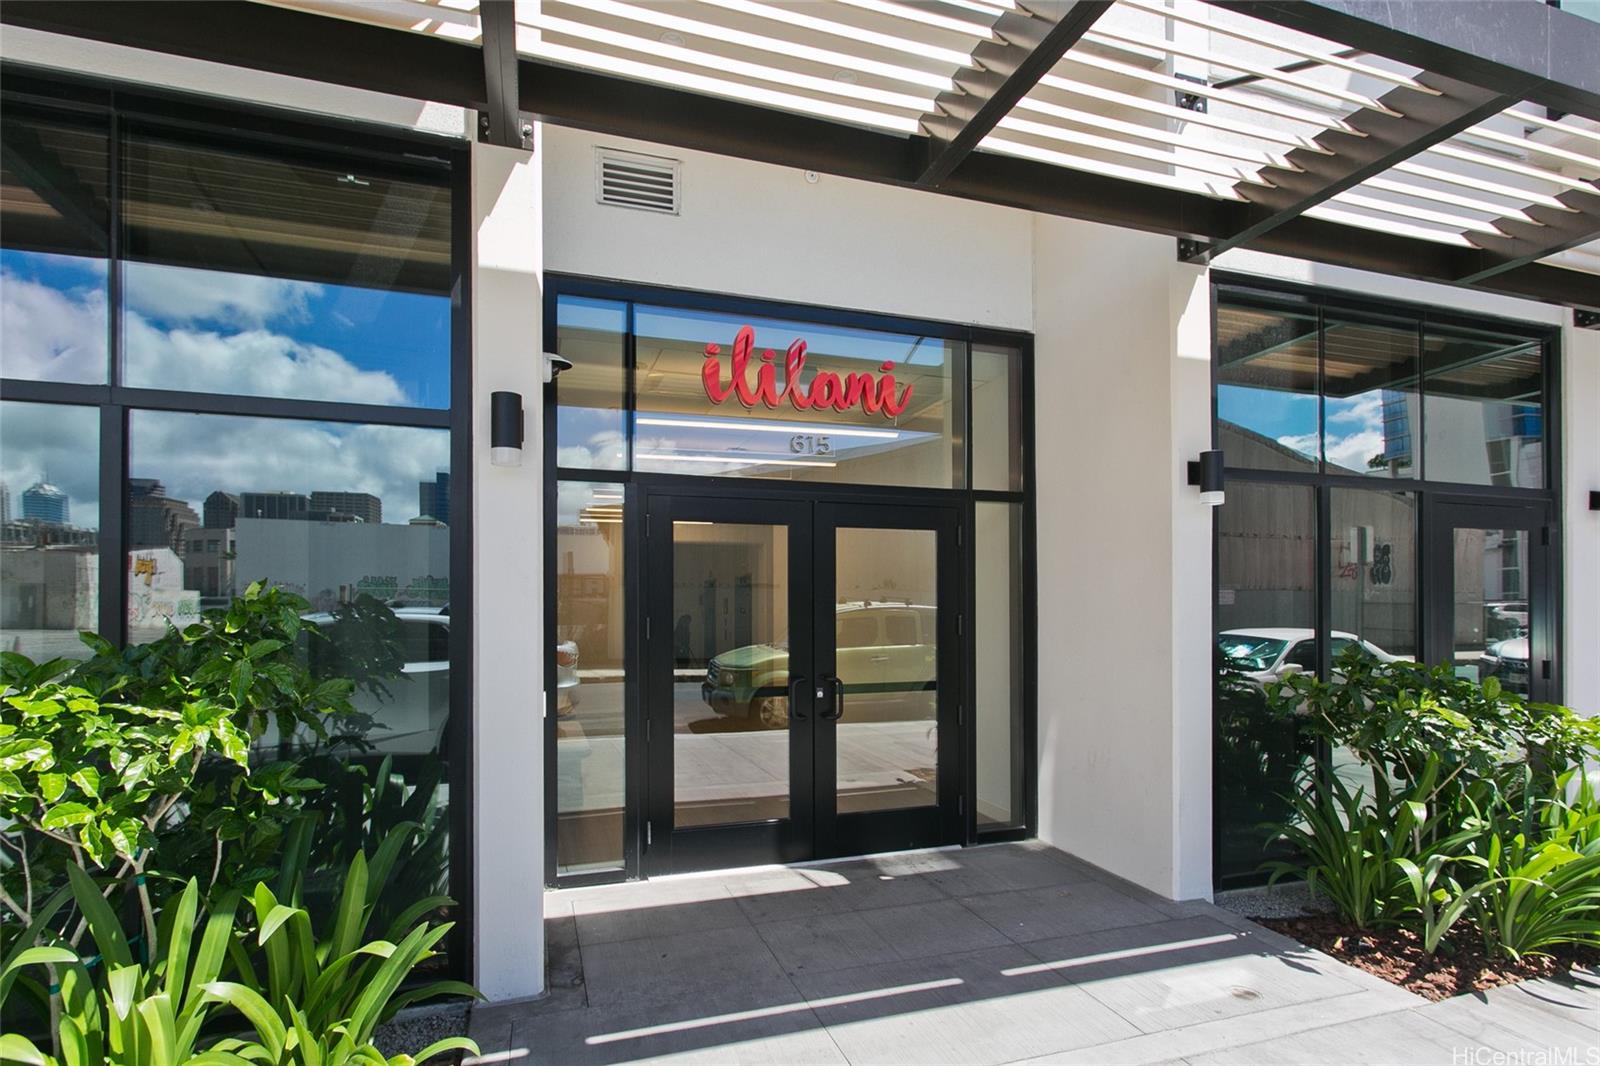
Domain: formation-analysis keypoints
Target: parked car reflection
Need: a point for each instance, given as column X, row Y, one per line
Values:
column 884, row 650
column 1271, row 654
column 1507, row 662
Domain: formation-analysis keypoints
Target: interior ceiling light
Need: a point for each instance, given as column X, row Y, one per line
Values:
column 697, row 423
column 672, row 37
column 738, row 460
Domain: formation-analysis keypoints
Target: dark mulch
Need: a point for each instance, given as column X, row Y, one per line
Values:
column 1397, row 956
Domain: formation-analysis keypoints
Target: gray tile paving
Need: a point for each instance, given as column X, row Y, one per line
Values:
column 1003, row 954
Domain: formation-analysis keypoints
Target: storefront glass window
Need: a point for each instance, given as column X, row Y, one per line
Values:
column 1266, row 628
column 997, row 458
column 53, row 245
column 1266, row 378
column 256, row 274
column 49, row 528
column 1372, row 405
column 592, row 397
column 998, row 628
column 1485, row 408
column 748, row 397
column 591, row 676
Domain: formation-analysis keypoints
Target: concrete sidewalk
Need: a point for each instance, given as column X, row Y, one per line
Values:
column 999, row 954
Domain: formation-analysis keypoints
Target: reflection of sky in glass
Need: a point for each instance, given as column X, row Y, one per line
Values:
column 195, row 455
column 1286, row 417
column 52, row 317
column 261, row 336
column 55, row 444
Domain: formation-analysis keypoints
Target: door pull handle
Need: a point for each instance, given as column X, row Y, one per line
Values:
column 797, row 691
column 836, row 710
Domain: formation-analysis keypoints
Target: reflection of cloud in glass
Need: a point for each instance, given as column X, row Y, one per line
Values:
column 195, row 455
column 52, row 317
column 57, row 444
column 186, row 296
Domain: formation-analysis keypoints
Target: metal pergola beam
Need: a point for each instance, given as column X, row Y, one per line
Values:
column 1414, row 121
column 1547, row 54
column 1028, row 41
column 499, row 123
column 1551, row 231
column 413, row 65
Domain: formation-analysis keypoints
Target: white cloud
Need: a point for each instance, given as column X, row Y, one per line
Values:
column 1365, row 409
column 255, row 363
column 1354, row 451
column 48, row 442
column 49, row 334
column 185, row 296
column 195, row 455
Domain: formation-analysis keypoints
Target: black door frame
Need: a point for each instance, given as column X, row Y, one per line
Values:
column 814, row 829
column 1443, row 516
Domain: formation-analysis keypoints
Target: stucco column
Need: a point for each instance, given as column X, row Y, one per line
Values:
column 508, row 579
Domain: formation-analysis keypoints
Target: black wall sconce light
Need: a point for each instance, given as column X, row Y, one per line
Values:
column 1594, row 501
column 505, row 429
column 1205, row 473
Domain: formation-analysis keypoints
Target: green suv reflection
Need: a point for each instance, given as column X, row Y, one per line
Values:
column 886, row 651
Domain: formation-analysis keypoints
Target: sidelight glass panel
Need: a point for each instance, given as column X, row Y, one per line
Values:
column 1266, row 618
column 53, row 245
column 1491, row 633
column 998, row 633
column 730, row 667
column 1484, row 408
column 1372, row 405
column 886, row 632
column 799, row 401
column 50, row 520
column 1372, row 588
column 261, row 274
column 997, row 458
column 1266, row 374
column 591, row 398
column 590, row 677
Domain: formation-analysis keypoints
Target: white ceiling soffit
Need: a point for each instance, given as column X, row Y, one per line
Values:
column 1114, row 105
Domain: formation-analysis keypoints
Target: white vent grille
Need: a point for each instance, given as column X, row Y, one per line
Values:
column 643, row 182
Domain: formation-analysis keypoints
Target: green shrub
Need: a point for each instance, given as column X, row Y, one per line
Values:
column 309, row 1001
column 1478, row 807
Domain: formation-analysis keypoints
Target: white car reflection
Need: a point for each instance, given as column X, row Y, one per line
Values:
column 1271, row 654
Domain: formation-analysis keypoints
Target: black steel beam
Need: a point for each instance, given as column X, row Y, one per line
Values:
column 1552, row 230
column 1411, row 120
column 284, row 41
column 1495, row 44
column 1028, row 41
column 499, row 123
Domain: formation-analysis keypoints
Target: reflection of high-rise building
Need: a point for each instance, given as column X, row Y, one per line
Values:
column 433, row 497
column 208, row 565
column 290, row 505
column 5, row 503
column 221, row 509
column 337, row 506
column 155, row 520
column 46, row 503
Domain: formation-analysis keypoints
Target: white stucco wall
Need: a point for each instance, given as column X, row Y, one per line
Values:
column 761, row 230
column 1122, row 372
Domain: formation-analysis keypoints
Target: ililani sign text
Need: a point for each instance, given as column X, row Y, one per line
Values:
column 872, row 394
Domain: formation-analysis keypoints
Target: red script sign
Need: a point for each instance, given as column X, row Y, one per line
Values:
column 827, row 389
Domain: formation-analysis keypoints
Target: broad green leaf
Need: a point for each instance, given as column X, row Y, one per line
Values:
column 123, row 983
column 248, row 1002
column 51, row 786
column 88, row 779
column 103, row 924
column 19, row 1049
column 41, row 956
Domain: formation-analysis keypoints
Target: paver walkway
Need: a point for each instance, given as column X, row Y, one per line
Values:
column 1000, row 954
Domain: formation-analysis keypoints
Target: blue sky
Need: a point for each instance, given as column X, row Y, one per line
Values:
column 320, row 330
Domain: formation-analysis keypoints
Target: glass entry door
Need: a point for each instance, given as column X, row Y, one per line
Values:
column 800, row 684
column 1494, row 610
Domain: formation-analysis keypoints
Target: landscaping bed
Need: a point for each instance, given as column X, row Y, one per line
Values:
column 1397, row 956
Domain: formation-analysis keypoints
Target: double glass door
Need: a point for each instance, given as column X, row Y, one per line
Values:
column 800, row 691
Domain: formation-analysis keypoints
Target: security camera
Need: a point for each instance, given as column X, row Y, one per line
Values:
column 554, row 365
